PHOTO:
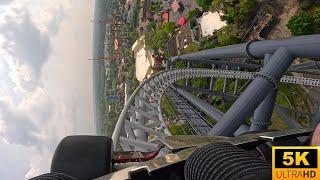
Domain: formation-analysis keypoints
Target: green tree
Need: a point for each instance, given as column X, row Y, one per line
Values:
column 230, row 14
column 246, row 6
column 192, row 47
column 149, row 37
column 135, row 17
column 209, row 43
column 301, row 24
column 205, row 4
column 155, row 7
column 157, row 39
column 216, row 4
column 317, row 19
column 151, row 26
column 235, row 12
column 193, row 14
column 306, row 5
column 168, row 27
column 227, row 36
column 134, row 34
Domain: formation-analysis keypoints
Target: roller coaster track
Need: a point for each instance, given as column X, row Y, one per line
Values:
column 198, row 123
column 143, row 119
column 141, row 122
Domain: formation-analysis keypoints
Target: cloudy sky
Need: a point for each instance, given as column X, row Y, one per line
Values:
column 45, row 80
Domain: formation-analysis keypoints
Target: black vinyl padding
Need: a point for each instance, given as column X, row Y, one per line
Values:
column 53, row 176
column 224, row 161
column 83, row 157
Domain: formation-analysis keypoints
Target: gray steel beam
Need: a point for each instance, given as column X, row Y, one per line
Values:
column 305, row 66
column 227, row 63
column 144, row 128
column 144, row 114
column 236, row 84
column 262, row 115
column 225, row 82
column 205, row 107
column 299, row 113
column 242, row 129
column 291, row 123
column 316, row 118
column 149, row 105
column 267, row 80
column 140, row 117
column 212, row 79
column 129, row 130
column 188, row 66
column 300, row 46
column 145, row 146
column 229, row 97
column 295, row 67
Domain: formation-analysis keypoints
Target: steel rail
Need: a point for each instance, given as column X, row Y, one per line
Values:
column 171, row 76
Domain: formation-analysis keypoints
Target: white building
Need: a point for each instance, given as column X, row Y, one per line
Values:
column 210, row 22
column 144, row 60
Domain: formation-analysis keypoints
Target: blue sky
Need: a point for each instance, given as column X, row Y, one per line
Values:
column 46, row 80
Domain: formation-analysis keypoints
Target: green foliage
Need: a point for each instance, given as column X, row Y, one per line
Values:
column 236, row 12
column 168, row 27
column 180, row 64
column 218, row 102
column 135, row 17
column 181, row 82
column 192, row 17
column 215, row 5
column 193, row 14
column 231, row 13
column 134, row 35
column 155, row 7
column 200, row 83
column 157, row 39
column 208, row 43
column 295, row 97
column 218, row 85
column 205, row 4
column 246, row 6
column 149, row 35
column 193, row 23
column 176, row 129
column 317, row 19
column 201, row 65
column 315, row 10
column 192, row 47
column 227, row 36
column 301, row 24
column 151, row 26
column 306, row 5
column 168, row 109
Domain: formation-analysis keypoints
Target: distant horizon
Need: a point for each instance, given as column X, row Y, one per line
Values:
column 99, row 30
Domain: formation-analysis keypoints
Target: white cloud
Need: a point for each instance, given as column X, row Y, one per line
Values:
column 10, row 164
column 45, row 87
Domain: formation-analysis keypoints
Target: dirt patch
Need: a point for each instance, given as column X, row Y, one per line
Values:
column 285, row 9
